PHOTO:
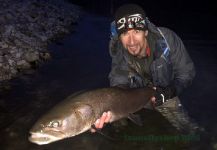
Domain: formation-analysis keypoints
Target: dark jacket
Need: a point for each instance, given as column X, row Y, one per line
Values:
column 168, row 65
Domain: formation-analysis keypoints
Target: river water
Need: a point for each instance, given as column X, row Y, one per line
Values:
column 79, row 62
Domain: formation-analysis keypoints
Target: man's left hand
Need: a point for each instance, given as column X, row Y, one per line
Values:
column 162, row 95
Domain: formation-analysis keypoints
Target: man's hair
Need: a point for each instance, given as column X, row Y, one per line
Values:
column 130, row 16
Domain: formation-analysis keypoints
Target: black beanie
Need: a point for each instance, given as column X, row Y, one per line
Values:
column 129, row 16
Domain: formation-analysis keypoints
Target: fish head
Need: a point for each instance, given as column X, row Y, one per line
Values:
column 54, row 127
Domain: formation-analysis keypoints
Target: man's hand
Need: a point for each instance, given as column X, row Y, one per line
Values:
column 162, row 95
column 167, row 92
column 105, row 118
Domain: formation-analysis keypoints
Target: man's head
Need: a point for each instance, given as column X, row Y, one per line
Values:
column 130, row 16
column 132, row 29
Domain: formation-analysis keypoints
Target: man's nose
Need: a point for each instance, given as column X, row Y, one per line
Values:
column 131, row 39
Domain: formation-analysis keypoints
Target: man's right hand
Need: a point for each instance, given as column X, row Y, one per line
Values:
column 105, row 118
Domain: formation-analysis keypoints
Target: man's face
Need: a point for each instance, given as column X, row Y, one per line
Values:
column 135, row 42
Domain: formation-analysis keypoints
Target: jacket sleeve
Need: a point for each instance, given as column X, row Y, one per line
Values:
column 183, row 67
column 118, row 75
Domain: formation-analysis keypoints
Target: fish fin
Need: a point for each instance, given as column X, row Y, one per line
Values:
column 103, row 134
column 136, row 119
column 85, row 110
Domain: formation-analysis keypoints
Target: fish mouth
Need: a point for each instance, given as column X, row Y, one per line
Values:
column 41, row 138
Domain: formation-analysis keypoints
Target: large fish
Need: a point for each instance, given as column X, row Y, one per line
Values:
column 78, row 113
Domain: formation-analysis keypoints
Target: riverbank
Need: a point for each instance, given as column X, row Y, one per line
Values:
column 27, row 27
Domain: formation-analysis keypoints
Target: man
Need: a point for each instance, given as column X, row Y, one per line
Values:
column 146, row 55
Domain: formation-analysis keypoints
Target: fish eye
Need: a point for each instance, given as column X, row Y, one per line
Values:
column 54, row 124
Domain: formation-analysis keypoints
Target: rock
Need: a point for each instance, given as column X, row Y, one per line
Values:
column 22, row 65
column 27, row 27
column 45, row 55
column 32, row 56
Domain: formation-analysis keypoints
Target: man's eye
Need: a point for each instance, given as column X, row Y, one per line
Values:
column 137, row 31
column 124, row 33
